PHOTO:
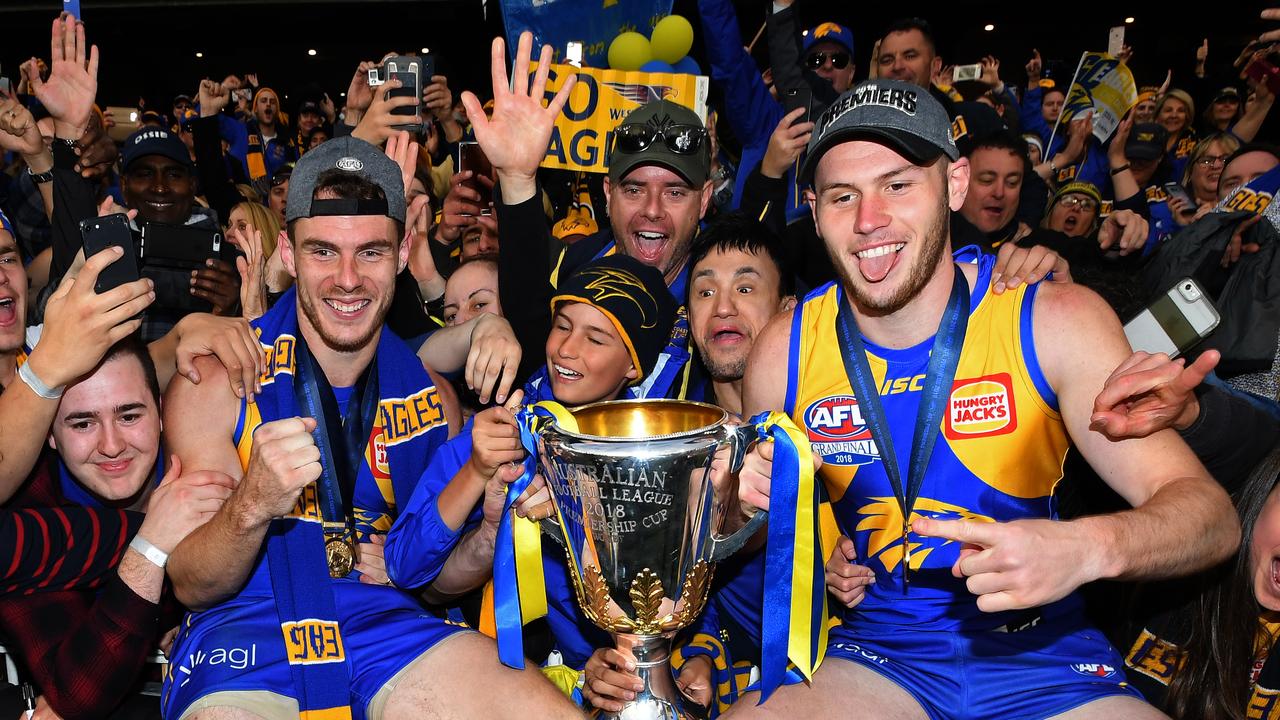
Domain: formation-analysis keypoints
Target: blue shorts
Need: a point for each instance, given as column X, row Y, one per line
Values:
column 1036, row 672
column 237, row 647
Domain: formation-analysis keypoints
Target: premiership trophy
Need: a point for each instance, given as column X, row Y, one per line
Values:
column 640, row 524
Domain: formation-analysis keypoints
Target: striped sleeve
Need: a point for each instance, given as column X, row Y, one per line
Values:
column 61, row 548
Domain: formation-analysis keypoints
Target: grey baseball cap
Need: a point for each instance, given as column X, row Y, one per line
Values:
column 900, row 114
column 352, row 155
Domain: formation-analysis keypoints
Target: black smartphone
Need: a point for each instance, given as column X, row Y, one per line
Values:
column 1174, row 190
column 796, row 98
column 100, row 233
column 170, row 253
column 471, row 157
column 408, row 70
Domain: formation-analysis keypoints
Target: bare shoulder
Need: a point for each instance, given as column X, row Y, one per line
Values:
column 199, row 419
column 764, row 385
column 1076, row 330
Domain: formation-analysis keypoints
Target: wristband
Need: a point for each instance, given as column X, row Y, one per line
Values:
column 40, row 178
column 1117, row 171
column 37, row 385
column 153, row 554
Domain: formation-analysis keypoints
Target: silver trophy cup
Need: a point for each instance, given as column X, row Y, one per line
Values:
column 640, row 524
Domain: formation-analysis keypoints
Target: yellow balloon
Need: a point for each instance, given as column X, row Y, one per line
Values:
column 672, row 39
column 629, row 51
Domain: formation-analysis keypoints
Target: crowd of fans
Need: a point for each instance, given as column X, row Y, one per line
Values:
column 153, row 438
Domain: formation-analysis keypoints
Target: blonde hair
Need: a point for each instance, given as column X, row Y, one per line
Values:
column 264, row 221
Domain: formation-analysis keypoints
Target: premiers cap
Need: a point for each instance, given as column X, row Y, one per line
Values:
column 900, row 114
column 829, row 32
column 154, row 141
column 1229, row 92
column 1146, row 142
column 656, row 117
column 634, row 297
column 349, row 155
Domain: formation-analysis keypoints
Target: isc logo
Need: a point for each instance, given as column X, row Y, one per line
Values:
column 837, row 417
column 1100, row 670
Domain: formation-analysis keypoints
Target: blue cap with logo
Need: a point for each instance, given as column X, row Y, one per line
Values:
column 829, row 32
column 154, row 141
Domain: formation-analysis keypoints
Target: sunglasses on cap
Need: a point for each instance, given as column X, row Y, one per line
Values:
column 839, row 60
column 679, row 139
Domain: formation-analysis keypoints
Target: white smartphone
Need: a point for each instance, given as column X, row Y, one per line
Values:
column 968, row 72
column 1175, row 322
column 1115, row 41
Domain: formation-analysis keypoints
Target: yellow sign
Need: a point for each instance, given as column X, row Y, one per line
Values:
column 600, row 101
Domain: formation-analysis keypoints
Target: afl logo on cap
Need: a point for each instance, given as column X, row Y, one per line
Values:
column 350, row 164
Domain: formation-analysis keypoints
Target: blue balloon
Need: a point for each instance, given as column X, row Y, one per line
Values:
column 687, row 66
column 656, row 66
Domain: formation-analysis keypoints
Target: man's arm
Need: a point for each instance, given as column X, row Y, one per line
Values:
column 751, row 110
column 764, row 387
column 215, row 560
column 1182, row 521
column 86, row 540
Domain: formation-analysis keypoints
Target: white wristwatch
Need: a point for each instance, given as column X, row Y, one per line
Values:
column 152, row 553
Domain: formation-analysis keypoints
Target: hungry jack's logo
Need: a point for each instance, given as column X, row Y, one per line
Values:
column 981, row 407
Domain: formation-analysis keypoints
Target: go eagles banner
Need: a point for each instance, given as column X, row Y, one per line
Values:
column 1104, row 85
column 600, row 101
column 594, row 23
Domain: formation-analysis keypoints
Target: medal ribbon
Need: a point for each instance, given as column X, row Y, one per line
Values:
column 519, row 587
column 794, row 627
column 941, row 373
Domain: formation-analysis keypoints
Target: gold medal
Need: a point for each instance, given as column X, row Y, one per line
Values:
column 341, row 556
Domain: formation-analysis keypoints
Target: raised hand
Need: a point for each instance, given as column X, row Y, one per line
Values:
column 405, row 154
column 785, row 144
column 284, row 460
column 231, row 340
column 80, row 325
column 1124, row 230
column 18, row 131
column 515, row 139
column 991, row 73
column 1033, row 67
column 359, row 93
column 217, row 283
column 253, row 272
column 73, row 80
column 213, row 97
column 494, row 354
column 378, row 124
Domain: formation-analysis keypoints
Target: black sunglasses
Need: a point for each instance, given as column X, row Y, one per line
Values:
column 679, row 139
column 839, row 60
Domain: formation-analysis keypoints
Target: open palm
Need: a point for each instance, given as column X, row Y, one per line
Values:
column 515, row 138
column 69, row 92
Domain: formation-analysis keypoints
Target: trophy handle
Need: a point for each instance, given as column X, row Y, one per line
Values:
column 551, row 527
column 722, row 546
column 740, row 438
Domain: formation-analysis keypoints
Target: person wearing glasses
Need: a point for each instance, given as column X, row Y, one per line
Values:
column 658, row 189
column 1202, row 175
column 818, row 61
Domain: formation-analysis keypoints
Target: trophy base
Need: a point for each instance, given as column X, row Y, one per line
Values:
column 659, row 700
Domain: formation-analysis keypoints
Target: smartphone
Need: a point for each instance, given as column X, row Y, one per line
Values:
column 1115, row 41
column 1175, row 190
column 1261, row 71
column 968, row 72
column 100, row 233
column 170, row 253
column 126, row 122
column 1175, row 322
column 408, row 70
column 801, row 97
column 573, row 53
column 471, row 157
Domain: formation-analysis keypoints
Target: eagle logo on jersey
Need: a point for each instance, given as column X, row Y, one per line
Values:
column 838, row 431
column 882, row 520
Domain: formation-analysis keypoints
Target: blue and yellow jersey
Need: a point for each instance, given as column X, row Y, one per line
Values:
column 999, row 455
column 398, row 420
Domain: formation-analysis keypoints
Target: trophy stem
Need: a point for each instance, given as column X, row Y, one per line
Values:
column 659, row 700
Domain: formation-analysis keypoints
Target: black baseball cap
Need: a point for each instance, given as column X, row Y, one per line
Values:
column 1146, row 141
column 634, row 297
column 154, row 141
column 655, row 116
column 900, row 114
column 352, row 155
